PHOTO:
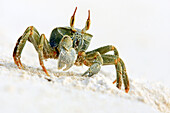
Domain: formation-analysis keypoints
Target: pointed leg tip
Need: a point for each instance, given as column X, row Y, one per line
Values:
column 118, row 86
column 17, row 63
column 46, row 73
column 19, row 67
column 126, row 90
column 114, row 81
column 22, row 67
column 21, row 64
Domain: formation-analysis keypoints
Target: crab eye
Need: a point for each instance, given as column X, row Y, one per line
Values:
column 75, row 43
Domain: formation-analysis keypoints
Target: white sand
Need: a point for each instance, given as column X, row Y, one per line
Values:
column 139, row 30
column 28, row 91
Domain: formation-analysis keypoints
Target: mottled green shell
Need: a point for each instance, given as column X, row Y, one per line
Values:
column 58, row 33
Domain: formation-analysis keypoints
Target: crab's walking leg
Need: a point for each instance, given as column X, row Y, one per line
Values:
column 40, row 43
column 16, row 55
column 114, row 60
column 125, row 76
column 94, row 60
column 40, row 52
column 120, row 70
column 21, row 43
column 105, row 49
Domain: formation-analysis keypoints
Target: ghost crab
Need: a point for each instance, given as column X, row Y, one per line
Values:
column 68, row 45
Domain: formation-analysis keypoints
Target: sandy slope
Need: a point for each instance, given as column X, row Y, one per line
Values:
column 27, row 90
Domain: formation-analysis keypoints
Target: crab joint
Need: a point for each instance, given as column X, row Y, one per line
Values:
column 112, row 48
column 81, row 53
column 117, row 60
column 31, row 30
column 72, row 20
column 87, row 26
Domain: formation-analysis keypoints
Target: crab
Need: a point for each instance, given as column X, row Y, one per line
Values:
column 69, row 45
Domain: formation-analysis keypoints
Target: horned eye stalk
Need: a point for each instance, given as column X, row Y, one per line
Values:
column 72, row 20
column 87, row 25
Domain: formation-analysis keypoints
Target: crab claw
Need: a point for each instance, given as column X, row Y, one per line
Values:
column 66, row 58
column 94, row 69
column 67, row 53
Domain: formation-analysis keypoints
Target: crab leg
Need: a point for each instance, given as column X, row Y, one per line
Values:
column 40, row 43
column 105, row 49
column 125, row 76
column 16, row 55
column 40, row 52
column 114, row 60
column 120, row 70
column 94, row 60
column 20, row 45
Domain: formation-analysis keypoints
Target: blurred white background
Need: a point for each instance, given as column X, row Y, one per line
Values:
column 140, row 29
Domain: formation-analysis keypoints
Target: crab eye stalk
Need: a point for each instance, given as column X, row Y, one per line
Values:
column 87, row 26
column 73, row 18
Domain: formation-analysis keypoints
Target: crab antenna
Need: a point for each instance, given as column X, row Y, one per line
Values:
column 73, row 18
column 87, row 26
